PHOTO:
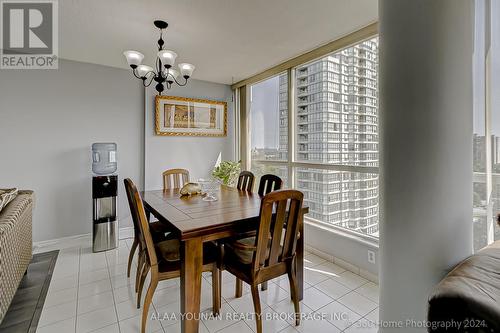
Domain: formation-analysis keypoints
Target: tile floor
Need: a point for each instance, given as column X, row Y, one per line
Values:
column 90, row 292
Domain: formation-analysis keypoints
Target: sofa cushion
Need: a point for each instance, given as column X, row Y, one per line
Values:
column 470, row 293
column 6, row 196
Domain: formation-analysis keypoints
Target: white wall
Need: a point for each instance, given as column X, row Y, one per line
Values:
column 48, row 121
column 196, row 154
column 344, row 246
column 50, row 118
column 426, row 165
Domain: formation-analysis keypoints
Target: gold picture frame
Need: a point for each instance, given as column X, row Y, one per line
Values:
column 181, row 116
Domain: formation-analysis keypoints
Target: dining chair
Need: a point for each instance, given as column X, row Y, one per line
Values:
column 245, row 181
column 162, row 260
column 157, row 229
column 175, row 178
column 269, row 183
column 272, row 252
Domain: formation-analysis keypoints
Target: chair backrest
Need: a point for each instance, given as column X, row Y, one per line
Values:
column 269, row 183
column 140, row 221
column 129, row 188
column 272, row 247
column 245, row 181
column 175, row 178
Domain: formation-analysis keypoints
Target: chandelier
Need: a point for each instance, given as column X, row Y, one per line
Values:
column 163, row 74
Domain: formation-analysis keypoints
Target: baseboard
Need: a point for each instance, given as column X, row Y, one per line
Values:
column 123, row 233
column 126, row 232
column 342, row 263
column 62, row 240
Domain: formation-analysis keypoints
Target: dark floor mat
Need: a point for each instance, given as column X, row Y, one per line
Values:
column 25, row 309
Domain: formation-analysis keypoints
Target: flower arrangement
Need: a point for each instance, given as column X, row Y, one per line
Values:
column 227, row 172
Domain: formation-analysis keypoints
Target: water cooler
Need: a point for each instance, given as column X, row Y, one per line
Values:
column 104, row 195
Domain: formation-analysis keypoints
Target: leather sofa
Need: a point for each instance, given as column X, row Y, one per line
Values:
column 15, row 245
column 469, row 295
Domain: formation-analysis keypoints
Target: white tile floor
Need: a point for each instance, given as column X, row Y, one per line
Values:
column 90, row 292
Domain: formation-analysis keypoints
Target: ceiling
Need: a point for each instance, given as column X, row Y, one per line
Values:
column 227, row 40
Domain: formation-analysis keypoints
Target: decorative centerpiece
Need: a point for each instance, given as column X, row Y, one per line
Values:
column 227, row 172
column 208, row 188
column 190, row 189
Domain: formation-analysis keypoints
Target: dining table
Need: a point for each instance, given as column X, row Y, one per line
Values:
column 196, row 221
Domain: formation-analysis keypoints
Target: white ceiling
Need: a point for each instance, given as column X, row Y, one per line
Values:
column 227, row 40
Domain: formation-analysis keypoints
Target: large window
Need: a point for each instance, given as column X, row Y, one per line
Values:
column 333, row 157
column 486, row 140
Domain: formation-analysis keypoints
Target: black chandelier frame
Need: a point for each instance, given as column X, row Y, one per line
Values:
column 163, row 74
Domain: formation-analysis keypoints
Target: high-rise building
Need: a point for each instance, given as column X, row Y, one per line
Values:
column 480, row 188
column 337, row 123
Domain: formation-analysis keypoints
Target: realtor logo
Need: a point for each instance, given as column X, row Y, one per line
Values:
column 29, row 34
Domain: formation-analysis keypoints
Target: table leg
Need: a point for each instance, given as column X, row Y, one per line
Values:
column 191, row 267
column 300, row 258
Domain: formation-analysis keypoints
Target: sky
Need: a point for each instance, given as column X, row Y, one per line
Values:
column 264, row 111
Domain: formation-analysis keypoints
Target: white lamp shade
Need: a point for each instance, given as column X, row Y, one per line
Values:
column 173, row 73
column 167, row 57
column 134, row 58
column 186, row 69
column 143, row 71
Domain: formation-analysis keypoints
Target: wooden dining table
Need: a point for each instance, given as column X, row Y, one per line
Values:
column 197, row 221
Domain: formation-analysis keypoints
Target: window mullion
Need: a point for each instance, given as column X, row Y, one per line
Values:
column 291, row 128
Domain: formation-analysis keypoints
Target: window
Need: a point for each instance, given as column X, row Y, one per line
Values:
column 345, row 199
column 495, row 115
column 336, row 125
column 486, row 139
column 269, row 126
column 333, row 159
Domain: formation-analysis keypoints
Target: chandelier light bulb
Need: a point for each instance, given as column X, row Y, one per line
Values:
column 186, row 69
column 167, row 57
column 134, row 58
column 143, row 71
column 172, row 75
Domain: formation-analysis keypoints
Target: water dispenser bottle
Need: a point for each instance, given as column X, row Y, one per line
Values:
column 104, row 158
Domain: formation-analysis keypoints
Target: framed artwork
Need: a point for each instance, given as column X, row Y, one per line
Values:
column 190, row 116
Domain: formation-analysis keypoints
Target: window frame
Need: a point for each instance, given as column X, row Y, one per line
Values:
column 292, row 163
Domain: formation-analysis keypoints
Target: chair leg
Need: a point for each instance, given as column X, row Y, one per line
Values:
column 131, row 256
column 239, row 288
column 294, row 291
column 142, row 257
column 263, row 286
column 149, row 298
column 216, row 290
column 144, row 274
column 256, row 306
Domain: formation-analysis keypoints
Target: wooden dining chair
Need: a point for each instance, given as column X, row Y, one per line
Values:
column 162, row 260
column 157, row 229
column 269, row 183
column 272, row 252
column 245, row 181
column 175, row 178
